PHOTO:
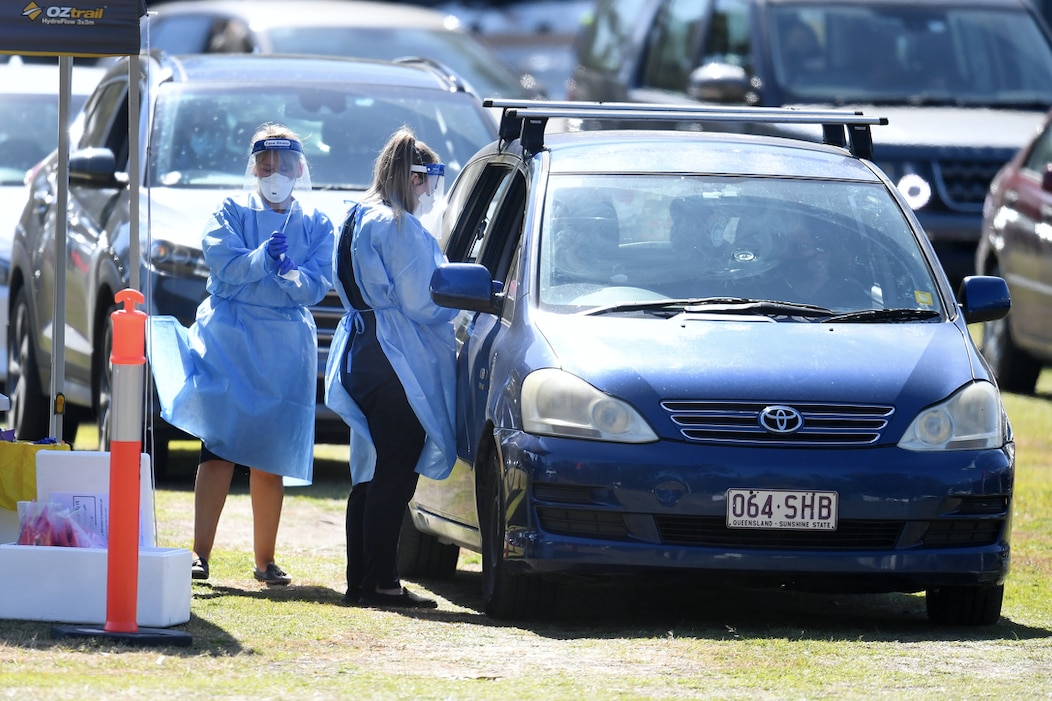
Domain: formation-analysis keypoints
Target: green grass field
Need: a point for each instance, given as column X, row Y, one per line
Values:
column 632, row 640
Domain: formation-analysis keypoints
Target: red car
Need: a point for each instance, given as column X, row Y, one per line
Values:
column 1017, row 245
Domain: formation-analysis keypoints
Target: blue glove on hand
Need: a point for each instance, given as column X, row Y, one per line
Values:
column 286, row 265
column 277, row 245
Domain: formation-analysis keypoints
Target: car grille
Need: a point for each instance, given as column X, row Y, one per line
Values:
column 739, row 422
column 963, row 179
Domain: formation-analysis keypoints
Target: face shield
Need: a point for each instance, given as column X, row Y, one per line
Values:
column 434, row 180
column 432, row 201
column 277, row 169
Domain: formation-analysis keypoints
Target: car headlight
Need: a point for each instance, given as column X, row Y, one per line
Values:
column 972, row 419
column 910, row 181
column 173, row 259
column 556, row 403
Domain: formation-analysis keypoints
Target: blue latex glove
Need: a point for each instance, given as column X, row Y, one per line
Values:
column 277, row 245
column 286, row 265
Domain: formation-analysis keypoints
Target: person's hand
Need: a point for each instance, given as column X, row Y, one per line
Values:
column 277, row 245
column 286, row 265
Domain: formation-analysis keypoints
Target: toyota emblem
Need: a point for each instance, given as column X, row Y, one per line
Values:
column 781, row 419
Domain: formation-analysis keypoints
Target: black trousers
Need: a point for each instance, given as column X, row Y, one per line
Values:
column 375, row 508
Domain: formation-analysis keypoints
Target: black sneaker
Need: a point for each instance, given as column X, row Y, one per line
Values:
column 406, row 599
column 199, row 568
column 273, row 576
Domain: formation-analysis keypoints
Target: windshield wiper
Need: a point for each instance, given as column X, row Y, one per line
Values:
column 716, row 305
column 885, row 315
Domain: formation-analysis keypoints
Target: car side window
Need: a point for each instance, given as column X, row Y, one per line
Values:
column 480, row 213
column 1041, row 154
column 606, row 40
column 672, row 44
column 727, row 39
column 101, row 113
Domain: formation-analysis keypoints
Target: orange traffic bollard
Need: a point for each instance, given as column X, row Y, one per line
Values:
column 128, row 360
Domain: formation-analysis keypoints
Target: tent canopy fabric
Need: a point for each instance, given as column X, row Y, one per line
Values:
column 78, row 28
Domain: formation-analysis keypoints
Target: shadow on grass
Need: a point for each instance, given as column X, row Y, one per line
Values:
column 638, row 607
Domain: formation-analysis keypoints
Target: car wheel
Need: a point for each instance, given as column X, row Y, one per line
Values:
column 29, row 407
column 423, row 555
column 104, row 382
column 156, row 447
column 1015, row 369
column 504, row 595
column 964, row 606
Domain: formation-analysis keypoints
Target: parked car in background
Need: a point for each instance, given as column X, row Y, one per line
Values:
column 1017, row 245
column 345, row 111
column 727, row 356
column 963, row 84
column 380, row 30
column 534, row 37
column 29, row 107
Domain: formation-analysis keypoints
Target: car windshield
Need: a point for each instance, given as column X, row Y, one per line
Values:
column 485, row 72
column 673, row 243
column 201, row 136
column 905, row 53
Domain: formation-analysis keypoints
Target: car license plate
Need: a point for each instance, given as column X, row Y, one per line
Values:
column 781, row 509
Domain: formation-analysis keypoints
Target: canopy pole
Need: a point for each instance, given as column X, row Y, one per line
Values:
column 58, row 319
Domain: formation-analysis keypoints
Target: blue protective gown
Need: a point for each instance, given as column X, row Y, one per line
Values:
column 243, row 378
column 393, row 266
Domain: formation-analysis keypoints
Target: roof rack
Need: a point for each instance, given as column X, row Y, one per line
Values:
column 526, row 119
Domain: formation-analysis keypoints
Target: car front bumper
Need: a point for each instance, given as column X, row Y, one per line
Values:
column 906, row 521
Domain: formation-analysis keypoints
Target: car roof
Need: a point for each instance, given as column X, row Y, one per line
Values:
column 621, row 151
column 43, row 79
column 264, row 14
column 296, row 69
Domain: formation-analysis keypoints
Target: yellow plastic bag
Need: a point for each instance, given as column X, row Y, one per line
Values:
column 18, row 471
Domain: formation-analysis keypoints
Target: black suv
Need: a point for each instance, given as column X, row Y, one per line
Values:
column 963, row 84
column 344, row 109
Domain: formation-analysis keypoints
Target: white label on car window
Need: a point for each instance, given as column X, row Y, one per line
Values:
column 782, row 509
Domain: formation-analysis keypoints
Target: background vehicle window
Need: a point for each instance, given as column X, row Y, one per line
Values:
column 605, row 40
column 671, row 45
column 728, row 39
column 1041, row 155
column 100, row 113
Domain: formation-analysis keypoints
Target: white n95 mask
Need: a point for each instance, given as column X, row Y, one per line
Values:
column 276, row 187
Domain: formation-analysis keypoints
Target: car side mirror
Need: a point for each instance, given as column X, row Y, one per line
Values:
column 466, row 286
column 984, row 298
column 1046, row 178
column 95, row 167
column 719, row 82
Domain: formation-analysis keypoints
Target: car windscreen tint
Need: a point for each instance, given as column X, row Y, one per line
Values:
column 201, row 137
column 843, row 246
column 904, row 53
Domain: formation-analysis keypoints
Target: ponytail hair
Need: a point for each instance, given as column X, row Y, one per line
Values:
column 392, row 177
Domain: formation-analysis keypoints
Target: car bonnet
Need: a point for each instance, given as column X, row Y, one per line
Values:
column 755, row 359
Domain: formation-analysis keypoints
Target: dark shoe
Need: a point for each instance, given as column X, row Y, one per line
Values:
column 199, row 568
column 406, row 600
column 273, row 576
column 352, row 595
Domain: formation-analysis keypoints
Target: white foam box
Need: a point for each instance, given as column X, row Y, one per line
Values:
column 68, row 585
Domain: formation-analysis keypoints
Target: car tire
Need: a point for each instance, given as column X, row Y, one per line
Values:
column 29, row 415
column 103, row 384
column 1015, row 369
column 423, row 555
column 505, row 595
column 964, row 606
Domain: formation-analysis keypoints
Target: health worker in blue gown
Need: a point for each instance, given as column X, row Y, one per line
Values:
column 243, row 377
column 390, row 372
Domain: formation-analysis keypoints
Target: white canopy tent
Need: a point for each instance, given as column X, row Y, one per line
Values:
column 77, row 29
